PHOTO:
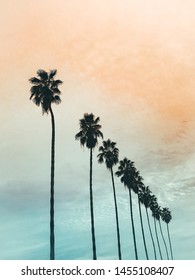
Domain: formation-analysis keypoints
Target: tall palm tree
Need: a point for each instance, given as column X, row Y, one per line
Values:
column 109, row 154
column 138, row 186
column 161, row 231
column 44, row 92
column 166, row 217
column 156, row 215
column 145, row 198
column 88, row 136
column 125, row 171
column 158, row 211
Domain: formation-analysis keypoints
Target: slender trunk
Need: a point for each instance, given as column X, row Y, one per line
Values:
column 142, row 227
column 116, row 212
column 157, row 239
column 163, row 239
column 91, row 209
column 151, row 234
column 132, row 223
column 169, row 241
column 52, row 237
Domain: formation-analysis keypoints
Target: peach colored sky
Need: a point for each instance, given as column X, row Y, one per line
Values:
column 143, row 49
column 139, row 52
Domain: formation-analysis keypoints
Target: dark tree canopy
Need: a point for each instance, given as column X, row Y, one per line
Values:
column 166, row 215
column 45, row 90
column 108, row 153
column 89, row 131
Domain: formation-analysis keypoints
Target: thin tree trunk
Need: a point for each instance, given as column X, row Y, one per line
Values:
column 163, row 239
column 116, row 212
column 132, row 223
column 157, row 239
column 142, row 227
column 169, row 241
column 91, row 209
column 151, row 234
column 52, row 237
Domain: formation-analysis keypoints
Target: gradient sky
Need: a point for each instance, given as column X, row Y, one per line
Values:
column 132, row 63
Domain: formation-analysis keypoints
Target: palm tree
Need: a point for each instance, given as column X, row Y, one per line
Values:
column 88, row 136
column 44, row 92
column 166, row 217
column 138, row 186
column 158, row 212
column 125, row 171
column 144, row 194
column 161, row 231
column 156, row 215
column 109, row 154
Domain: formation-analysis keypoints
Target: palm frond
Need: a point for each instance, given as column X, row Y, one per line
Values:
column 34, row 80
column 42, row 74
column 37, row 100
column 35, row 90
column 52, row 73
column 56, row 90
column 79, row 135
column 100, row 158
column 57, row 99
column 56, row 83
column 96, row 120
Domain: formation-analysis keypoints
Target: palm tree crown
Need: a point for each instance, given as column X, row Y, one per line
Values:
column 108, row 153
column 145, row 196
column 125, row 171
column 155, row 208
column 89, row 131
column 166, row 215
column 45, row 90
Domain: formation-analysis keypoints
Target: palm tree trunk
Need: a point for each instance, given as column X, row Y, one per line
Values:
column 52, row 237
column 151, row 233
column 132, row 223
column 142, row 227
column 116, row 212
column 169, row 241
column 163, row 239
column 91, row 209
column 157, row 239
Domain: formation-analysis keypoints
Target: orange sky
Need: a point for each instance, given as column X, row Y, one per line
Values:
column 131, row 49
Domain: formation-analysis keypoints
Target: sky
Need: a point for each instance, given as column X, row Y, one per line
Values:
column 132, row 63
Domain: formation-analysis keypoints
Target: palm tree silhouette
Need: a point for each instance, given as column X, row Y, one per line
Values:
column 166, row 217
column 44, row 92
column 88, row 136
column 156, row 215
column 145, row 198
column 138, row 186
column 125, row 171
column 161, row 231
column 109, row 154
